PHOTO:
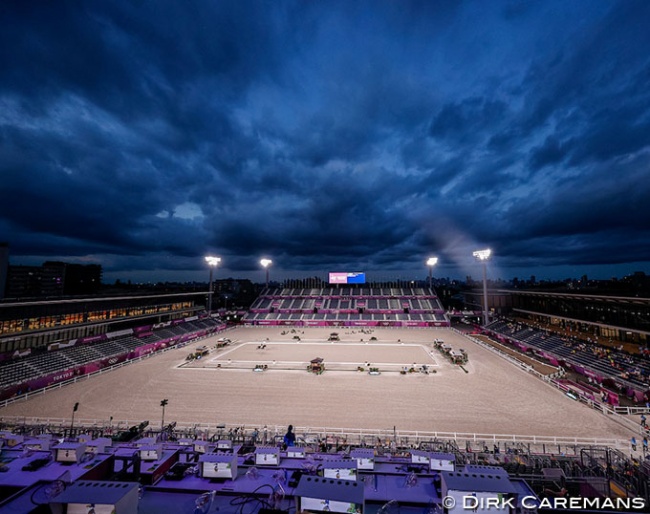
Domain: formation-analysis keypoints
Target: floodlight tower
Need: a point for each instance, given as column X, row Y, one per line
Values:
column 265, row 264
column 483, row 256
column 213, row 262
column 431, row 262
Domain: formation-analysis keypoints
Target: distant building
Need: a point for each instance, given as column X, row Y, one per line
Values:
column 53, row 279
column 499, row 302
column 23, row 281
column 77, row 279
column 230, row 292
column 4, row 267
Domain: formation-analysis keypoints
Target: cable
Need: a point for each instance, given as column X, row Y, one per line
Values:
column 242, row 501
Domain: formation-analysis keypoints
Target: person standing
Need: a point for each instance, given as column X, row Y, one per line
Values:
column 289, row 437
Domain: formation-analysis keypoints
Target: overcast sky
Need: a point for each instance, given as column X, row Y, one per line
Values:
column 327, row 136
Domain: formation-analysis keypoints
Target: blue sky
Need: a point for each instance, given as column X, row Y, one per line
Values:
column 326, row 135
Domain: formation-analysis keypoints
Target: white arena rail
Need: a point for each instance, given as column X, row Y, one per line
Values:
column 344, row 436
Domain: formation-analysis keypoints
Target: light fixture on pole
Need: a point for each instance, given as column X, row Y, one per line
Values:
column 162, row 404
column 483, row 256
column 213, row 262
column 74, row 409
column 265, row 264
column 431, row 262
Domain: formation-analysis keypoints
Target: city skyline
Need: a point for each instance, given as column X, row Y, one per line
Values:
column 404, row 276
column 327, row 137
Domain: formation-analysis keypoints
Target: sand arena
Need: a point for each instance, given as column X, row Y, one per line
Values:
column 493, row 397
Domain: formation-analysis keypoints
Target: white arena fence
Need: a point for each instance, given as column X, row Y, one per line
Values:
column 390, row 437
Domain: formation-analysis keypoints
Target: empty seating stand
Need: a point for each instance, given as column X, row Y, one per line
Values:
column 42, row 364
column 353, row 306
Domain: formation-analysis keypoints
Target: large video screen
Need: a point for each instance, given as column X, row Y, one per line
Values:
column 347, row 278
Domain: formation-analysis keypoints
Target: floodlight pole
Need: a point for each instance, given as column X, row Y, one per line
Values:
column 212, row 263
column 162, row 422
column 74, row 409
column 210, row 293
column 485, row 296
column 431, row 262
column 266, row 263
column 483, row 256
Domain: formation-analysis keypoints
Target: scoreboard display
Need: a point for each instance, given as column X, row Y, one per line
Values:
column 347, row 278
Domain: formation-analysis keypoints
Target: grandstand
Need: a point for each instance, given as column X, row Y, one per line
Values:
column 620, row 371
column 84, row 356
column 36, row 324
column 348, row 306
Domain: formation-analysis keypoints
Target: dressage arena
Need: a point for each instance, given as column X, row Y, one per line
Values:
column 492, row 396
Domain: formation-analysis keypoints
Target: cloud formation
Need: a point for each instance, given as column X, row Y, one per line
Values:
column 326, row 135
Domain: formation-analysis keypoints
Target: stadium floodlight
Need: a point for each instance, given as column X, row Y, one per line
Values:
column 265, row 264
column 431, row 262
column 213, row 262
column 483, row 256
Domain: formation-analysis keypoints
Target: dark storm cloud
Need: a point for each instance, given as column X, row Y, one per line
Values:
column 324, row 134
column 552, row 151
column 468, row 119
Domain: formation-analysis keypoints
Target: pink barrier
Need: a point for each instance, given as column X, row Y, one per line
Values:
column 341, row 323
column 146, row 328
column 13, row 390
column 148, row 348
column 587, row 391
column 92, row 367
column 522, row 346
column 550, row 358
column 111, row 361
column 614, row 399
column 54, row 378
column 92, row 339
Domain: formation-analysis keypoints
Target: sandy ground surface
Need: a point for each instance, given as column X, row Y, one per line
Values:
column 494, row 397
column 342, row 355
